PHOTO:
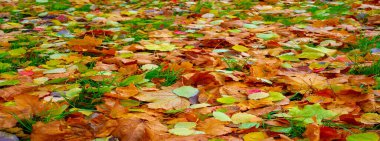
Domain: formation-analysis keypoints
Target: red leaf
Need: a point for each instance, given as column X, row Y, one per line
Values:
column 350, row 119
column 325, row 93
column 328, row 134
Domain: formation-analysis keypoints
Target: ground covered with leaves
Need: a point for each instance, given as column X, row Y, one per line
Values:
column 179, row 70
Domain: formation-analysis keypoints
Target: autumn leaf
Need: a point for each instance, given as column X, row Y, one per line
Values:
column 163, row 99
column 309, row 111
column 135, row 129
column 123, row 92
column 214, row 127
column 305, row 83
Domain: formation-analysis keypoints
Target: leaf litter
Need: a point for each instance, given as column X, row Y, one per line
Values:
column 173, row 70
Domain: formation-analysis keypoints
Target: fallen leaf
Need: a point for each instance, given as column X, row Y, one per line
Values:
column 164, row 99
column 214, row 127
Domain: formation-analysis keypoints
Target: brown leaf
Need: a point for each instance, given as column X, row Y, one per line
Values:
column 6, row 120
column 58, row 131
column 9, row 92
column 49, row 131
column 163, row 99
column 135, row 129
column 103, row 126
column 214, row 127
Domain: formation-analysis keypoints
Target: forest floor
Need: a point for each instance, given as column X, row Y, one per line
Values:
column 180, row 70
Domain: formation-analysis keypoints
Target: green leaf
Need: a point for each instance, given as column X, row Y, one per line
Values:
column 370, row 136
column 9, row 103
column 188, row 125
column 310, row 55
column 9, row 82
column 221, row 116
column 5, row 66
column 60, row 110
column 186, row 91
column 182, row 131
column 240, row 48
column 74, row 92
column 288, row 57
column 281, row 129
column 259, row 95
column 234, row 31
column 305, row 115
column 129, row 103
column 57, row 70
column 160, row 47
column 40, row 80
column 249, row 125
column 275, row 96
column 134, row 79
column 250, row 26
column 200, row 105
column 174, row 111
column 42, row 1
column 226, row 100
column 56, row 81
column 267, row 36
column 17, row 52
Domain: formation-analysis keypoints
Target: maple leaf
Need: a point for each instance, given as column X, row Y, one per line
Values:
column 163, row 99
column 305, row 83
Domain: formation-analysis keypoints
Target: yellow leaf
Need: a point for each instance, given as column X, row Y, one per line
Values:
column 255, row 136
column 240, row 48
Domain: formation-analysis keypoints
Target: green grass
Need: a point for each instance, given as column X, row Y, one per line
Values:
column 321, row 13
column 27, row 41
column 46, row 116
column 137, row 28
column 25, row 124
column 365, row 44
column 8, row 63
column 287, row 21
column 91, row 94
column 203, row 4
column 243, row 4
column 296, row 130
column 170, row 76
column 377, row 87
column 374, row 69
column 232, row 64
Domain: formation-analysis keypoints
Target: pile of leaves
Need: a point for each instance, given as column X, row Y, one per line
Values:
column 207, row 70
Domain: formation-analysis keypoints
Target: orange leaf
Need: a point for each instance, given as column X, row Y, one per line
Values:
column 312, row 132
column 124, row 92
column 213, row 126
